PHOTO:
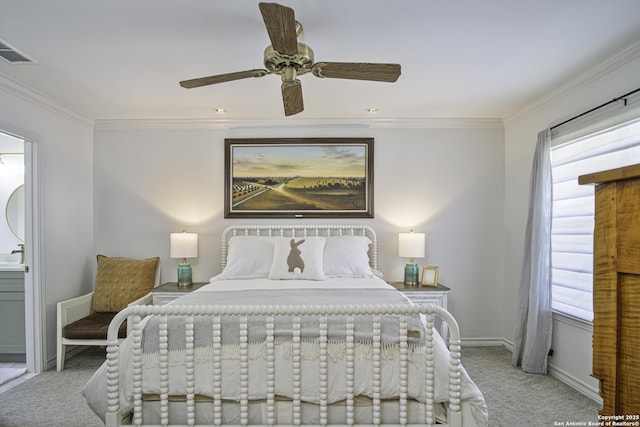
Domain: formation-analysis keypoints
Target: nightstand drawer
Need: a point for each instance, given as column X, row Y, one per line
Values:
column 434, row 295
column 427, row 298
column 165, row 298
column 168, row 292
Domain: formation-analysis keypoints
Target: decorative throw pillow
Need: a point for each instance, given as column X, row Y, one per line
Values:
column 298, row 258
column 120, row 281
column 347, row 256
column 248, row 257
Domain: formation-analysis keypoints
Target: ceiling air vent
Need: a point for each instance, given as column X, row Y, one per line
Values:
column 12, row 55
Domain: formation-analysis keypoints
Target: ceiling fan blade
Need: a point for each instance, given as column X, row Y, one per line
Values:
column 292, row 97
column 281, row 26
column 221, row 78
column 357, row 71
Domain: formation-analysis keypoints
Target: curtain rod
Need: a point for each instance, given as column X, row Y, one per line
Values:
column 620, row 98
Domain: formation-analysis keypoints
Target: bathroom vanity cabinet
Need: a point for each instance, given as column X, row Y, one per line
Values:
column 12, row 332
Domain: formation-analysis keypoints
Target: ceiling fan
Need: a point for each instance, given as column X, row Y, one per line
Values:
column 289, row 58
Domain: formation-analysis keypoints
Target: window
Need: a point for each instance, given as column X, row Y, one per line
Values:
column 573, row 210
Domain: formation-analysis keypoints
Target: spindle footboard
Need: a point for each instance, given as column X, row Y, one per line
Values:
column 127, row 404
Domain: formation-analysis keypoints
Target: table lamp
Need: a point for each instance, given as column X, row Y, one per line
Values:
column 411, row 245
column 184, row 245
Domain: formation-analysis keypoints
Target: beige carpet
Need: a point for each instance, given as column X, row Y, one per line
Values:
column 517, row 399
column 514, row 398
column 51, row 398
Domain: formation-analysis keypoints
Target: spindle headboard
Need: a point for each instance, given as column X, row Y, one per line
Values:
column 301, row 230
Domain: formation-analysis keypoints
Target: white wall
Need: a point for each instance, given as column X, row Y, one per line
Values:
column 619, row 75
column 64, row 146
column 447, row 182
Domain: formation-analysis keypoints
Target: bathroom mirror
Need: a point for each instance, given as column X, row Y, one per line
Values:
column 15, row 213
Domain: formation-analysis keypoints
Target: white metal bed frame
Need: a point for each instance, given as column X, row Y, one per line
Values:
column 135, row 314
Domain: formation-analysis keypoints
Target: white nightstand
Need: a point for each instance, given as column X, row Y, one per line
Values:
column 167, row 292
column 435, row 295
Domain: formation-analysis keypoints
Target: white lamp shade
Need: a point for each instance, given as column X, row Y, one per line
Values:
column 184, row 245
column 411, row 245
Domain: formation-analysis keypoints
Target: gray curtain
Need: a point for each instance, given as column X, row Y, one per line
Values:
column 534, row 322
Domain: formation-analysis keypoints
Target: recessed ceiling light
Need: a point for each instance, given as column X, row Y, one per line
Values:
column 372, row 110
column 220, row 110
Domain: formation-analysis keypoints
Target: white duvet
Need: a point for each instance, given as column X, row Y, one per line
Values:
column 474, row 411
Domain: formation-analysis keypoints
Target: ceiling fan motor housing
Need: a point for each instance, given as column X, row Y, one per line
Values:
column 276, row 63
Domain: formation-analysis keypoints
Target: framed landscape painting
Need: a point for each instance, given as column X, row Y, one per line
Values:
column 299, row 178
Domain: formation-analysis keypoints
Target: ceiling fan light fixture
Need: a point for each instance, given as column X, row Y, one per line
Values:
column 288, row 74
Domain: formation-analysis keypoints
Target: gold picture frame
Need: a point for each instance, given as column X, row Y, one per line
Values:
column 429, row 276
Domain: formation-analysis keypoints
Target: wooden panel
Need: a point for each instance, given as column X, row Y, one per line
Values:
column 605, row 283
column 618, row 174
column 629, row 242
column 628, row 390
column 616, row 289
column 628, row 196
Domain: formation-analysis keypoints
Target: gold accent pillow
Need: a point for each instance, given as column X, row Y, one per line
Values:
column 120, row 281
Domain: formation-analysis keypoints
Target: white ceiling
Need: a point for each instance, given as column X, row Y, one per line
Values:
column 122, row 59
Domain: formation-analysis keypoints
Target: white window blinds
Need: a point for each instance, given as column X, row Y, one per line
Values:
column 573, row 210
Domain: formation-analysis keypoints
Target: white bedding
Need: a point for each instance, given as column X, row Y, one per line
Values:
column 474, row 411
column 217, row 285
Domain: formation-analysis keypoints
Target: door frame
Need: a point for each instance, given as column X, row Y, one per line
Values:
column 34, row 306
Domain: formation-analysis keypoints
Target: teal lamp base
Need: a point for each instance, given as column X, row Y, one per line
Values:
column 411, row 274
column 184, row 274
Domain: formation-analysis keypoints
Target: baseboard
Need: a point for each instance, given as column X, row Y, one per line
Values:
column 69, row 353
column 574, row 383
column 508, row 345
column 482, row 342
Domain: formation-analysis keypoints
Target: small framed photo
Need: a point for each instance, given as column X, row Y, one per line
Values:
column 429, row 275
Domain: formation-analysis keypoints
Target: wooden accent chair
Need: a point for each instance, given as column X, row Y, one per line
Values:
column 120, row 282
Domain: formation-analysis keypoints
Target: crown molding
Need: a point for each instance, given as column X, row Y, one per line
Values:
column 626, row 55
column 207, row 123
column 41, row 100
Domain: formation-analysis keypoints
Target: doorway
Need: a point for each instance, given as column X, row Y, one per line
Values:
column 19, row 249
column 12, row 236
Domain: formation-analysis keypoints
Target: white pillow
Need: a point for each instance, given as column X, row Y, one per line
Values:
column 298, row 258
column 248, row 257
column 347, row 256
